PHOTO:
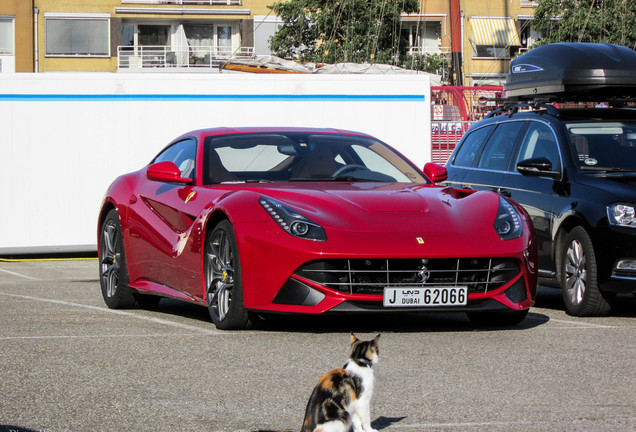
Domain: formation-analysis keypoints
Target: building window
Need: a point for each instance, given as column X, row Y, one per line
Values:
column 77, row 35
column 494, row 38
column 127, row 35
column 529, row 36
column 493, row 52
column 425, row 37
column 224, row 40
column 200, row 40
column 154, row 35
column 6, row 36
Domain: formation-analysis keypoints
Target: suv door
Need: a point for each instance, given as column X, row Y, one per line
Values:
column 537, row 194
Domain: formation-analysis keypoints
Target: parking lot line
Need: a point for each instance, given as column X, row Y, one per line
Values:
column 583, row 324
column 462, row 426
column 120, row 312
column 18, row 274
column 572, row 322
column 103, row 336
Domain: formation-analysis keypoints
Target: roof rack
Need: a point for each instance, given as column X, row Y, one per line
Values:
column 512, row 108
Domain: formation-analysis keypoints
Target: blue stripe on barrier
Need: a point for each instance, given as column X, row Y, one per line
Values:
column 212, row 97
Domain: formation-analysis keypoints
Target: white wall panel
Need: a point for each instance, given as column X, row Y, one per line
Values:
column 65, row 136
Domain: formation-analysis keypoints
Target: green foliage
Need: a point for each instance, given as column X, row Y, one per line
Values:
column 433, row 63
column 342, row 30
column 610, row 21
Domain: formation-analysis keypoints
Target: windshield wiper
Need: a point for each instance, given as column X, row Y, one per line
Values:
column 606, row 169
column 330, row 179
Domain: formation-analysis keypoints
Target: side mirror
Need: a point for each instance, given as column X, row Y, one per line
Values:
column 436, row 173
column 166, row 172
column 538, row 167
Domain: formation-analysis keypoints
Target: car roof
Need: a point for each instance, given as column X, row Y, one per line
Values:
column 564, row 114
column 273, row 129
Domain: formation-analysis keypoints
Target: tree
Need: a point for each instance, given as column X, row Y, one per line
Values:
column 342, row 30
column 610, row 21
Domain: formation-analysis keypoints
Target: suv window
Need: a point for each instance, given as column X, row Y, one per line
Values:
column 539, row 141
column 469, row 150
column 500, row 146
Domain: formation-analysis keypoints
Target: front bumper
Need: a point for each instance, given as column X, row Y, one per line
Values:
column 283, row 274
column 512, row 294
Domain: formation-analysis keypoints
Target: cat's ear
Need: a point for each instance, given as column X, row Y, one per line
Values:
column 376, row 340
column 354, row 339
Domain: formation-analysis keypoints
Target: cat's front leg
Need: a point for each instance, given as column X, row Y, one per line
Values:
column 362, row 421
column 366, row 420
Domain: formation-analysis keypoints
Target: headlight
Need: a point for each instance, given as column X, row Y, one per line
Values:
column 621, row 215
column 292, row 221
column 508, row 222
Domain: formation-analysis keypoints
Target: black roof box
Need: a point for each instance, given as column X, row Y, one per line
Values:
column 573, row 72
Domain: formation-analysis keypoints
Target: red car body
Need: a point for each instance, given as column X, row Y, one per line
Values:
column 375, row 234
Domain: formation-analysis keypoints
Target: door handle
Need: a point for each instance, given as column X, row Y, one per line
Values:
column 467, row 186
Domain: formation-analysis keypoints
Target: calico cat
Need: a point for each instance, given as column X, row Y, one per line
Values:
column 342, row 397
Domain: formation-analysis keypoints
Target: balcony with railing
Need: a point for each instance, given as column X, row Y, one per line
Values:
column 428, row 50
column 183, row 2
column 153, row 57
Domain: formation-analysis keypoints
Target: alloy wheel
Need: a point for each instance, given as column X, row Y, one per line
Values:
column 575, row 272
column 110, row 258
column 219, row 274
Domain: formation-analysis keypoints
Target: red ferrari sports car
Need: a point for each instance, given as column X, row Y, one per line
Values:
column 255, row 221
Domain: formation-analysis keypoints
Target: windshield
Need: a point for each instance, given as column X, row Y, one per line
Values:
column 288, row 157
column 604, row 146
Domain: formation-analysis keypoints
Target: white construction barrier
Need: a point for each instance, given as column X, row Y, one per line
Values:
column 65, row 136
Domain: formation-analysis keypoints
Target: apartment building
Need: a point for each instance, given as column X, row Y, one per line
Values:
column 198, row 35
column 127, row 35
column 491, row 32
column 16, row 36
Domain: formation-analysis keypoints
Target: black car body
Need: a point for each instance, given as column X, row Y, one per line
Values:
column 574, row 171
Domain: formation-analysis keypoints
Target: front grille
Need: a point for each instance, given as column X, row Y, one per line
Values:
column 371, row 276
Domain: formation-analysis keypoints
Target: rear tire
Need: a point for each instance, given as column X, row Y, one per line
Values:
column 113, row 272
column 579, row 276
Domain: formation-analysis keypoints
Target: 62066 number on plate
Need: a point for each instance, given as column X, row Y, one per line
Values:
column 425, row 297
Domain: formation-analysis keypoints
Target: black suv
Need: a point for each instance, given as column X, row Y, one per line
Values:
column 573, row 170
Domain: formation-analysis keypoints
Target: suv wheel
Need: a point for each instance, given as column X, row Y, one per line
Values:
column 579, row 276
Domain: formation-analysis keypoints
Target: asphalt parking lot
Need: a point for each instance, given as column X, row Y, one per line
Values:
column 67, row 363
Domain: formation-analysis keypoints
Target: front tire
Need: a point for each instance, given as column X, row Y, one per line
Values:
column 579, row 276
column 223, row 282
column 113, row 274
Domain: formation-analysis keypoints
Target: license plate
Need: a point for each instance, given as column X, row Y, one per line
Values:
column 425, row 297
